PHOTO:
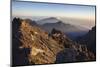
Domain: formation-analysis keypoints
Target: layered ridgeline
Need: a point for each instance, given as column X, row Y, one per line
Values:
column 73, row 31
column 33, row 45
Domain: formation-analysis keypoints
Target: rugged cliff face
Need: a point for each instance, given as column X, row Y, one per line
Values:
column 35, row 43
column 73, row 52
column 32, row 45
column 89, row 40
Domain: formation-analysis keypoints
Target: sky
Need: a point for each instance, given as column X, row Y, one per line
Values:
column 31, row 9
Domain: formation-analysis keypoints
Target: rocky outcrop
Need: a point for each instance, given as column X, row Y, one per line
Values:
column 33, row 44
column 73, row 51
column 89, row 40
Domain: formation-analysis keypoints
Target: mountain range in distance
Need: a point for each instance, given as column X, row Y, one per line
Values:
column 73, row 31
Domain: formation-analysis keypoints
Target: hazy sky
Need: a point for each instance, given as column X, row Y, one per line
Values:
column 54, row 10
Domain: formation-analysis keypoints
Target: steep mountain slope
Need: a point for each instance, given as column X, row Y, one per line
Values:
column 32, row 45
column 89, row 39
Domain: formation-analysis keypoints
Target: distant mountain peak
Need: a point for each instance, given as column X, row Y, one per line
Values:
column 60, row 22
column 48, row 20
column 52, row 18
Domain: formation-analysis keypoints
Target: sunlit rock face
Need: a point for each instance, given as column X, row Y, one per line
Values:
column 42, row 48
